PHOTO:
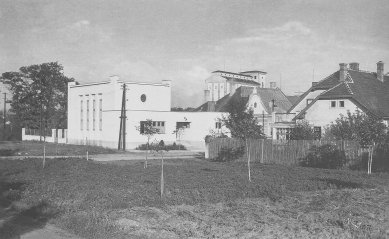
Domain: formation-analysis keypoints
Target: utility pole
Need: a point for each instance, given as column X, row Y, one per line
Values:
column 123, row 118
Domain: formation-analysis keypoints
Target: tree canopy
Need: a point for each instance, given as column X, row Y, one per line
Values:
column 302, row 131
column 39, row 95
column 360, row 127
column 241, row 121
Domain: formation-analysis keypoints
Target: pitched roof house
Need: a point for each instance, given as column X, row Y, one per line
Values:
column 347, row 89
column 265, row 103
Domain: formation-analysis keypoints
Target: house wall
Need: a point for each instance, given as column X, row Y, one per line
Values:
column 156, row 107
column 217, row 86
column 303, row 103
column 201, row 123
column 255, row 100
column 322, row 114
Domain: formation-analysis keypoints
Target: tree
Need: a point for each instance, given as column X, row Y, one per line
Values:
column 39, row 95
column 243, row 125
column 367, row 130
column 302, row 131
column 146, row 128
column 241, row 121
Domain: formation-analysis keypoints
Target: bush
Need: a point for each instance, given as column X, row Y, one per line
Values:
column 380, row 160
column 8, row 152
column 229, row 154
column 325, row 156
column 163, row 146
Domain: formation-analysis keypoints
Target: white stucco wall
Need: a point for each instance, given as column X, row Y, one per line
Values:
column 303, row 103
column 322, row 114
column 255, row 99
column 156, row 107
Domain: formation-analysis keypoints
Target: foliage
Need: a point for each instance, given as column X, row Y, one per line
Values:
column 35, row 148
column 229, row 154
column 179, row 109
column 381, row 160
column 302, row 131
column 39, row 91
column 325, row 156
column 241, row 121
column 147, row 129
column 166, row 147
column 360, row 127
column 8, row 152
column 213, row 135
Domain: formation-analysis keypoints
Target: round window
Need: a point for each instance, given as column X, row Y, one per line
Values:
column 143, row 97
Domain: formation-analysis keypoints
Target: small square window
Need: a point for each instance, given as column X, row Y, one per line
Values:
column 333, row 104
column 341, row 103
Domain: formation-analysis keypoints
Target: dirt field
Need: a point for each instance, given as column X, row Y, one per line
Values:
column 202, row 200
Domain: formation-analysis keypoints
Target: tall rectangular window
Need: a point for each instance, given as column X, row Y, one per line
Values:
column 87, row 115
column 81, row 115
column 341, row 103
column 333, row 104
column 101, row 114
column 94, row 114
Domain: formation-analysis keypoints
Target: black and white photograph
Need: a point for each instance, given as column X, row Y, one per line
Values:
column 170, row 119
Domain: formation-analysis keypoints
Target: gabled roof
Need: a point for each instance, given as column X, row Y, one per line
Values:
column 363, row 88
column 243, row 93
column 280, row 99
column 293, row 98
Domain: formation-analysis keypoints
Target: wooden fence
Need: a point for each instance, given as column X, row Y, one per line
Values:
column 286, row 152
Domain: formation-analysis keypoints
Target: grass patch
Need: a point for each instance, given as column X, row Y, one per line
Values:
column 35, row 148
column 97, row 200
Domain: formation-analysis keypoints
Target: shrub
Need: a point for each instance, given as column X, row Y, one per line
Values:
column 229, row 154
column 325, row 156
column 380, row 160
column 8, row 152
column 164, row 146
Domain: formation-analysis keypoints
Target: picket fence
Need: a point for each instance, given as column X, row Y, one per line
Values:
column 286, row 152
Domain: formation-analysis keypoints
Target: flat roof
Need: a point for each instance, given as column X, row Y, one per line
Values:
column 254, row 71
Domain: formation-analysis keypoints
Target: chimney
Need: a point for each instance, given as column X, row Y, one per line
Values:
column 207, row 95
column 354, row 66
column 273, row 85
column 342, row 71
column 380, row 71
column 167, row 82
column 114, row 79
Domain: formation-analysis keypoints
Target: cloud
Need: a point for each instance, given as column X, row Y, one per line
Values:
column 84, row 31
column 275, row 35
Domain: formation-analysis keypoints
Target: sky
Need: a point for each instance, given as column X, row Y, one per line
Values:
column 295, row 42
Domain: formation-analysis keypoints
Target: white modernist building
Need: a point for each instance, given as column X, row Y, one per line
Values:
column 94, row 115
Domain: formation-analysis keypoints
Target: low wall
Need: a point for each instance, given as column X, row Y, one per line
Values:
column 57, row 136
